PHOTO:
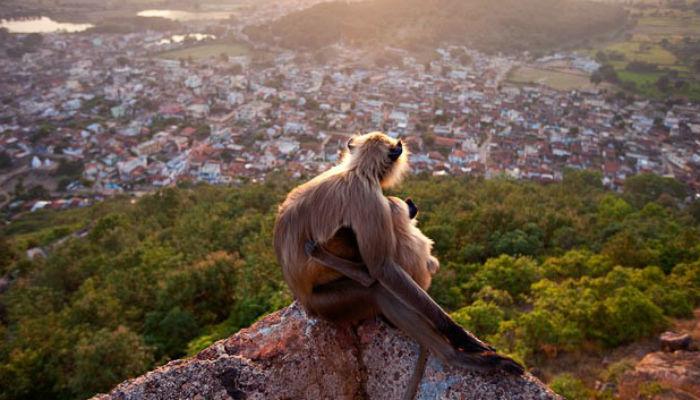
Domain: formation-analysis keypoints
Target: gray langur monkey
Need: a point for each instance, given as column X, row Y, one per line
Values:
column 344, row 205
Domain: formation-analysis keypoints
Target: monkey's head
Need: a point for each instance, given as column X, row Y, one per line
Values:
column 377, row 156
column 403, row 208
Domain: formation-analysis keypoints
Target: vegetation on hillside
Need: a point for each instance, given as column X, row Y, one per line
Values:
column 657, row 57
column 503, row 25
column 537, row 270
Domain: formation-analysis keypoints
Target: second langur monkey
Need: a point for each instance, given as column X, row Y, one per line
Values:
column 341, row 255
column 349, row 198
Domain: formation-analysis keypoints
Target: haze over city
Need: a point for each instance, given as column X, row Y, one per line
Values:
column 106, row 106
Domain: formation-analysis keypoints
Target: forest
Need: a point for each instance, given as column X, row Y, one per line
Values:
column 494, row 26
column 541, row 271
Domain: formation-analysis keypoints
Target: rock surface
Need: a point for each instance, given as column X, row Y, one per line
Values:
column 672, row 341
column 289, row 356
column 677, row 375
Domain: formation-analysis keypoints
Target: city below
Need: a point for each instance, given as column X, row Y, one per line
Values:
column 88, row 115
column 178, row 220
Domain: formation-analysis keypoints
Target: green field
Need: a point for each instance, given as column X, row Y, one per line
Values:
column 644, row 82
column 646, row 85
column 651, row 40
column 639, row 78
column 644, row 51
column 205, row 51
column 669, row 26
column 558, row 80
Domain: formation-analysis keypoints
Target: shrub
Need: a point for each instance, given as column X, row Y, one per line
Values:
column 615, row 370
column 570, row 387
column 514, row 275
column 687, row 277
column 106, row 357
column 630, row 315
column 481, row 318
column 650, row 390
column 575, row 264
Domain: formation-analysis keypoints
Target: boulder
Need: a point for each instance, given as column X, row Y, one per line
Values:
column 675, row 375
column 287, row 355
column 672, row 341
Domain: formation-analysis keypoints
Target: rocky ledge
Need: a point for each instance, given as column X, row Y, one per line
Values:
column 673, row 373
column 287, row 355
column 664, row 376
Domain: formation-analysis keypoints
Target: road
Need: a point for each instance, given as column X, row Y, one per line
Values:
column 484, row 150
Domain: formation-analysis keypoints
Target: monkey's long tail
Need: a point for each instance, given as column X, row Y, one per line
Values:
column 490, row 361
column 419, row 369
column 412, row 323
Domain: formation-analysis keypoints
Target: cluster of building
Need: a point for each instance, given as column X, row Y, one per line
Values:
column 135, row 121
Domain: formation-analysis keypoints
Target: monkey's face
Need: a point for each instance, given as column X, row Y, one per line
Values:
column 412, row 208
column 404, row 208
column 380, row 156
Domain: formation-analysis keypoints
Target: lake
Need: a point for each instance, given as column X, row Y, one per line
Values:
column 41, row 25
column 177, row 15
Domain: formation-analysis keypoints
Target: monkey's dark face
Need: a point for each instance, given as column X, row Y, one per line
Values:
column 380, row 156
column 412, row 209
column 402, row 210
column 395, row 151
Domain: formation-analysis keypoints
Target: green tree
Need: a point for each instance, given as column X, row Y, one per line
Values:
column 630, row 315
column 644, row 188
column 105, row 357
column 570, row 387
column 480, row 317
column 514, row 275
column 182, row 267
column 582, row 180
column 170, row 331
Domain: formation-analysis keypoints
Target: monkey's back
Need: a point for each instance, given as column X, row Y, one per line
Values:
column 312, row 211
column 316, row 210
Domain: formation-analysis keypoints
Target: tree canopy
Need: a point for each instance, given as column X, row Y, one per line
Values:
column 535, row 269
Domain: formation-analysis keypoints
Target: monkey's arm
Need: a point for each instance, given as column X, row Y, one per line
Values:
column 353, row 270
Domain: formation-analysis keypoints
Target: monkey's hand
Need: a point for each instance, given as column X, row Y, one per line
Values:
column 310, row 247
column 353, row 270
column 433, row 265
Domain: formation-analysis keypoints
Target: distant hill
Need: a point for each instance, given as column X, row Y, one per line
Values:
column 488, row 25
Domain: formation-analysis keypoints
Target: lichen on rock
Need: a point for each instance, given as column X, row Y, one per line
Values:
column 288, row 355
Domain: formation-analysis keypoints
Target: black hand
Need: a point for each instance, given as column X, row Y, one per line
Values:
column 310, row 247
column 412, row 208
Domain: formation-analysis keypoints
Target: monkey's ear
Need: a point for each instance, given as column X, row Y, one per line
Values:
column 350, row 145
